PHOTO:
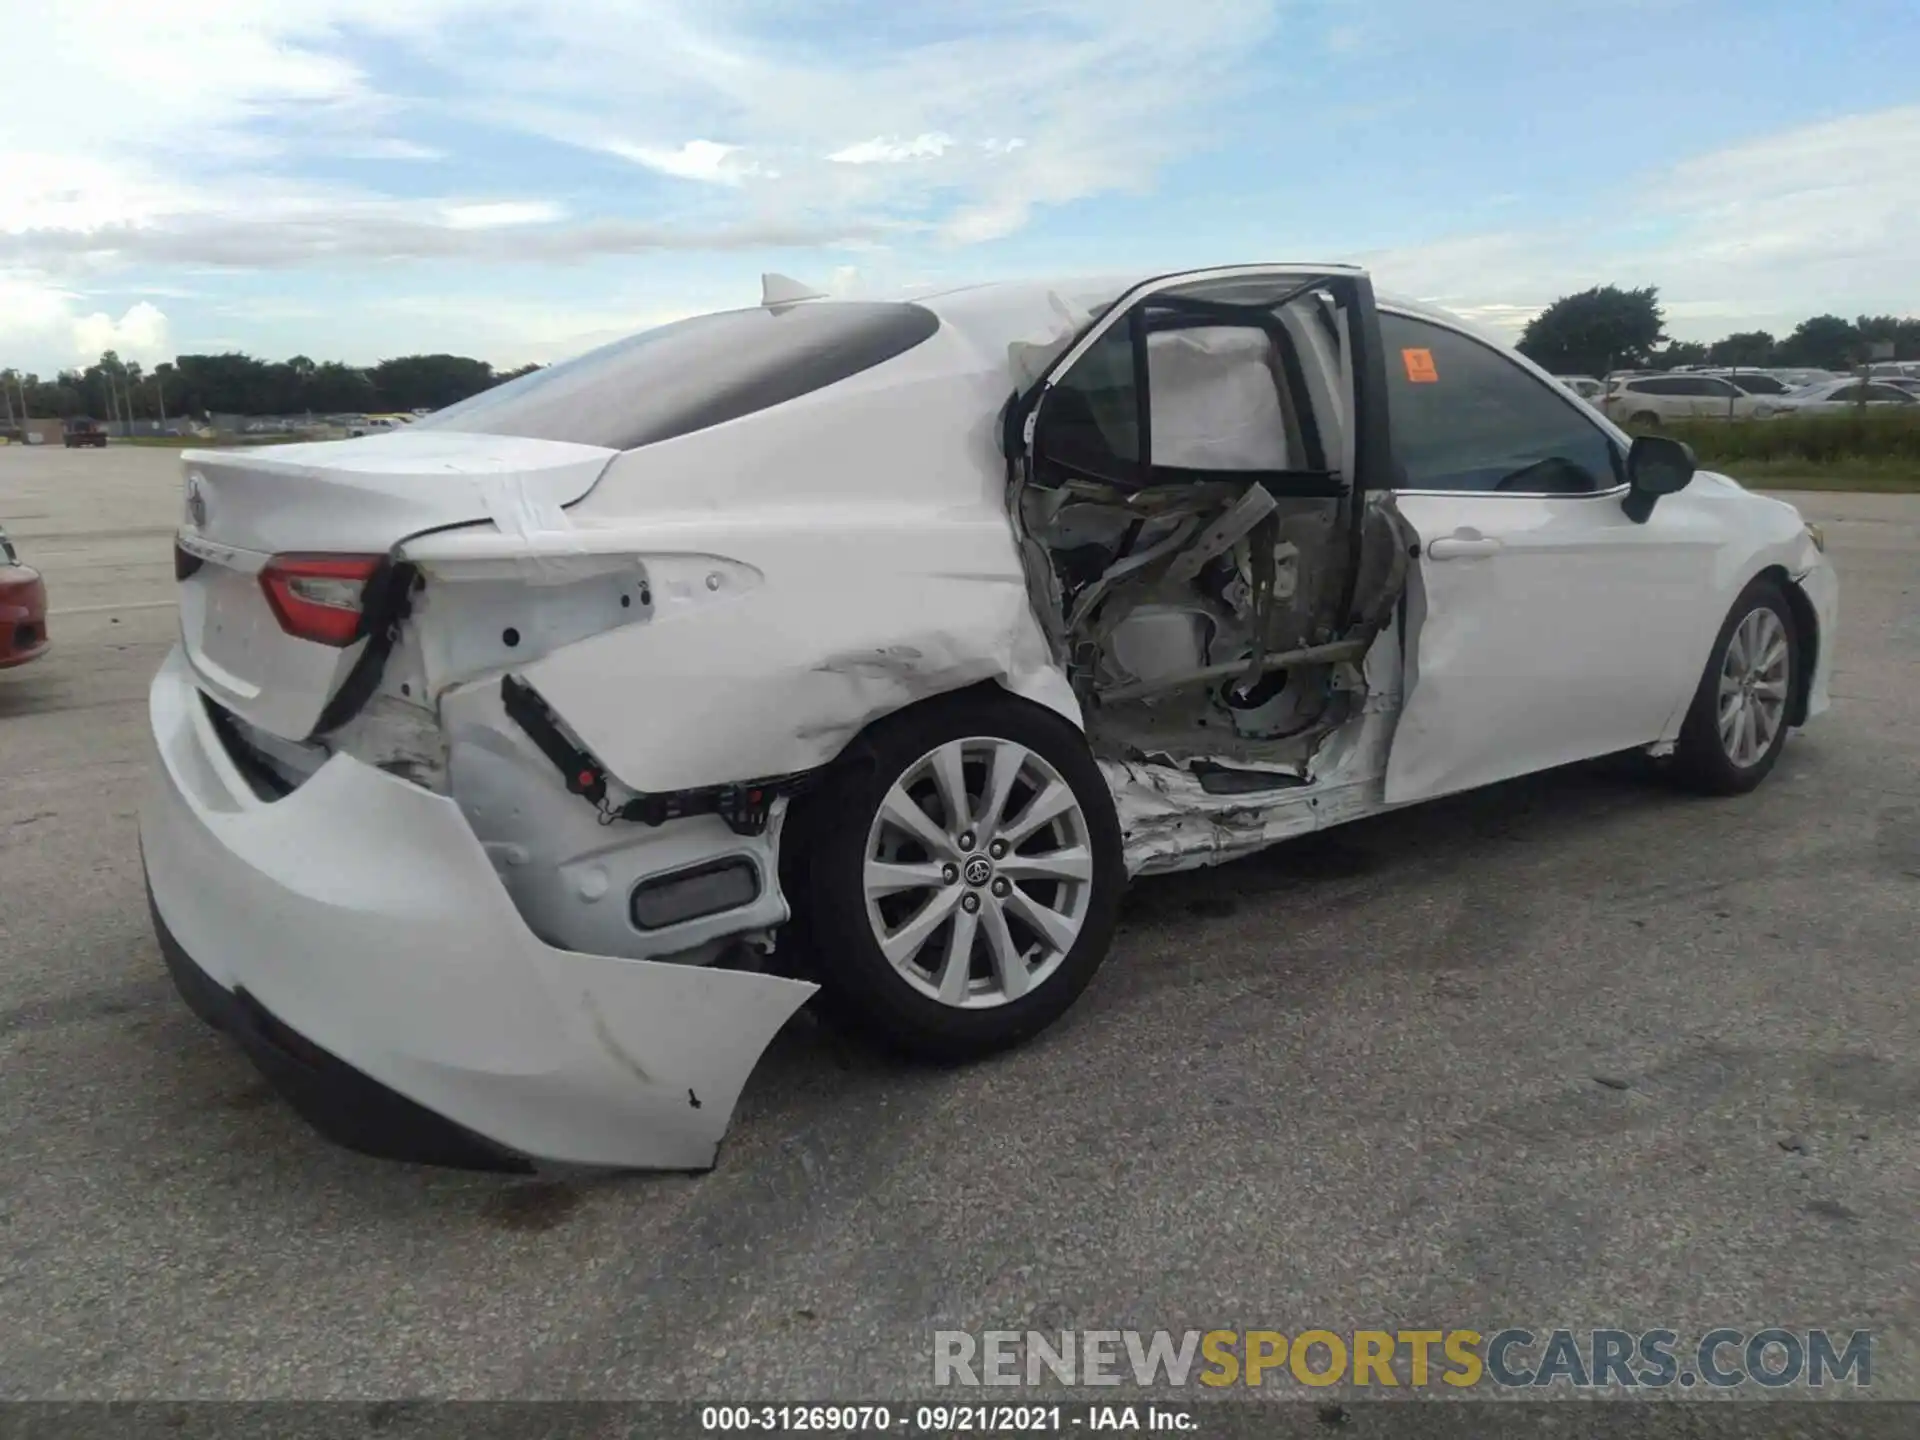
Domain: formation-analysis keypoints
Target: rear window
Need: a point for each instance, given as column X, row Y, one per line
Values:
column 694, row 373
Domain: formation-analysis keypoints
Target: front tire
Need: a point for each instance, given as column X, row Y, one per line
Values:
column 962, row 878
column 1737, row 725
column 1645, row 420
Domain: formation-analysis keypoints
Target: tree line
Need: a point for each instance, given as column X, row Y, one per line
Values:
column 237, row 384
column 1610, row 328
column 1605, row 328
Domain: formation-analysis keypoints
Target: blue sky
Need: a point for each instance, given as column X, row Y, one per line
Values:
column 361, row 178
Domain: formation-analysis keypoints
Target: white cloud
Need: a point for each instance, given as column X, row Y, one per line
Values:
column 1818, row 218
column 387, row 148
column 175, row 134
column 498, row 214
column 704, row 160
column 178, row 131
column 140, row 334
column 43, row 328
column 880, row 151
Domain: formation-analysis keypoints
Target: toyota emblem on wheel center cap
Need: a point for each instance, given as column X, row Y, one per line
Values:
column 979, row 870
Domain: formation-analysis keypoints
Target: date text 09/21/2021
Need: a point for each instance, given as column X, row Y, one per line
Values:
column 945, row 1419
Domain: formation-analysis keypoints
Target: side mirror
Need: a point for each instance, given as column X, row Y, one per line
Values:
column 1656, row 466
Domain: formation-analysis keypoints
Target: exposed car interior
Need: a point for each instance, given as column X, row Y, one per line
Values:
column 1209, row 563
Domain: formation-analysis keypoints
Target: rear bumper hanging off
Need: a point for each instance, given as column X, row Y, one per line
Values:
column 354, row 938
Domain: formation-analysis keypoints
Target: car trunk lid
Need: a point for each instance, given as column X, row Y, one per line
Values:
column 315, row 504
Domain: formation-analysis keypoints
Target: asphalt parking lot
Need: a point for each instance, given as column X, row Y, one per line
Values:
column 1573, row 1051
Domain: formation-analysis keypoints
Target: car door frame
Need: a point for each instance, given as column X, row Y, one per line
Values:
column 1367, row 449
column 1418, row 765
column 1366, row 460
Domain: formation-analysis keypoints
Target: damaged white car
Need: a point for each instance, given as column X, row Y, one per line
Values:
column 525, row 770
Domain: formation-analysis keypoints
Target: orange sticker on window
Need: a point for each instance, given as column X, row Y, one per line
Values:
column 1420, row 369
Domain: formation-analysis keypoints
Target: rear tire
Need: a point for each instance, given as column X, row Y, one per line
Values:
column 948, row 931
column 1737, row 725
column 1645, row 420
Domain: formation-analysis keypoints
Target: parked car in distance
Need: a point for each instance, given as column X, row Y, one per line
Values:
column 501, row 760
column 1585, row 386
column 1908, row 383
column 1649, row 401
column 1836, row 397
column 1800, row 378
column 1753, row 382
column 376, row 424
column 82, row 432
column 23, row 609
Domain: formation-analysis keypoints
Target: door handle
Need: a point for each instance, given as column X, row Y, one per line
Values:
column 1465, row 546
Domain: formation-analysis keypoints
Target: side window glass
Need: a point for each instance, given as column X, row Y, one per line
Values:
column 1465, row 417
column 1222, row 399
column 1091, row 420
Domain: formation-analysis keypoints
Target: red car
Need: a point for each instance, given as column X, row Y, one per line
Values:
column 23, row 609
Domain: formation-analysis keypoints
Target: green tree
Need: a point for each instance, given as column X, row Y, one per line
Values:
column 1826, row 342
column 1901, row 332
column 1749, row 347
column 410, row 382
column 1681, row 352
column 1597, row 330
column 337, row 389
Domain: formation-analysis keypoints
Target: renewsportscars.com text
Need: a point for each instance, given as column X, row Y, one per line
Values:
column 1511, row 1358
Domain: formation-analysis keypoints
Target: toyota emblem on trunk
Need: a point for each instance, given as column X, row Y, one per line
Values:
column 196, row 503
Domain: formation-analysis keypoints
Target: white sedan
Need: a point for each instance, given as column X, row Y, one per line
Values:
column 523, row 771
column 1837, row 397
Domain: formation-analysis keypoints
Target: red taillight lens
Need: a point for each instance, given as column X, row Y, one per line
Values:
column 317, row 597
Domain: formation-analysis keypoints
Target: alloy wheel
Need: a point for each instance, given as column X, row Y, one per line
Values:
column 978, row 872
column 1753, row 687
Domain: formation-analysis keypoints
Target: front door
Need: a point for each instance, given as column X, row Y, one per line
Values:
column 1546, row 626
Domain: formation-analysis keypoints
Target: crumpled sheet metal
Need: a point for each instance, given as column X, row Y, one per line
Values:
column 1169, row 822
column 777, row 677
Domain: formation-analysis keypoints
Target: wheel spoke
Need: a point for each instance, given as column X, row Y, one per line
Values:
column 1072, row 864
column 953, row 974
column 1007, row 760
column 904, row 811
column 1053, row 927
column 949, row 774
column 1737, row 652
column 903, row 944
column 1009, row 966
column 1775, row 658
column 1050, row 804
column 1775, row 690
column 890, row 877
column 1730, row 724
column 1767, row 721
column 1747, row 731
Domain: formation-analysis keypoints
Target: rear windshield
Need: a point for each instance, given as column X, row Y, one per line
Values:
column 693, row 373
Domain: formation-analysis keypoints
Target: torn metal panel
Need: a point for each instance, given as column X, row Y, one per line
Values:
column 1170, row 819
column 569, row 872
column 430, row 982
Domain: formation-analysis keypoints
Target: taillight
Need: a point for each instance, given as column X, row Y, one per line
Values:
column 317, row 597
